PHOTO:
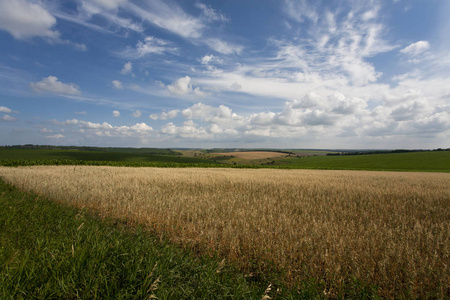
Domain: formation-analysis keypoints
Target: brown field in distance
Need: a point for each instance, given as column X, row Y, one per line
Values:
column 254, row 154
column 386, row 229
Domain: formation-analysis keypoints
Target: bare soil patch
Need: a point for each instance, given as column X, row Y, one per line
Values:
column 254, row 154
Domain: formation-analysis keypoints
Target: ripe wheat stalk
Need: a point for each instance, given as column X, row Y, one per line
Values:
column 383, row 228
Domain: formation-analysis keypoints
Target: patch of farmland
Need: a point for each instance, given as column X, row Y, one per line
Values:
column 342, row 229
column 254, row 154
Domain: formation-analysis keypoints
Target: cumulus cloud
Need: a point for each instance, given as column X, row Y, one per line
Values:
column 165, row 115
column 127, row 68
column 188, row 130
column 5, row 109
column 116, row 113
column 52, row 85
column 138, row 130
column 183, row 87
column 415, row 49
column 136, row 114
column 117, row 84
column 218, row 115
column 207, row 59
column 8, row 118
column 141, row 127
column 24, row 19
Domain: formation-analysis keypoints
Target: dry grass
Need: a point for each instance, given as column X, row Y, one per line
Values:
column 383, row 228
column 254, row 154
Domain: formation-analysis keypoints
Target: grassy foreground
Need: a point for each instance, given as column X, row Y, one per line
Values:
column 50, row 251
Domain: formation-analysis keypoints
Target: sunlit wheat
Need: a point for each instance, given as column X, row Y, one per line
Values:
column 383, row 228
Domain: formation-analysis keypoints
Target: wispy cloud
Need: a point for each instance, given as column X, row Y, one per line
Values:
column 415, row 49
column 150, row 45
column 169, row 16
column 210, row 14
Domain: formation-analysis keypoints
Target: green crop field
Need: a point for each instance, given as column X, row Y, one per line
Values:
column 78, row 155
column 429, row 161
column 426, row 161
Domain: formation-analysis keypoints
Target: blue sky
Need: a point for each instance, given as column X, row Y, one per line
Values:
column 285, row 74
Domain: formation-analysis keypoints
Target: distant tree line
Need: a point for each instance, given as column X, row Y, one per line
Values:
column 89, row 148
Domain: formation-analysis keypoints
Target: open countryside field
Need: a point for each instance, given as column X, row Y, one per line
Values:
column 427, row 161
column 342, row 230
column 430, row 161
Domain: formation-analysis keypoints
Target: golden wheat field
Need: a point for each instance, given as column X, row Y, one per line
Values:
column 388, row 229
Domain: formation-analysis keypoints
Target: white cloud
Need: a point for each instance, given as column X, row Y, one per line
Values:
column 223, row 47
column 136, row 114
column 77, row 46
column 165, row 115
column 5, row 109
column 116, row 113
column 8, row 118
column 109, row 4
column 117, row 84
column 24, row 19
column 210, row 14
column 141, row 127
column 415, row 49
column 339, row 43
column 168, row 15
column 101, row 9
column 300, row 11
column 207, row 59
column 219, row 115
column 55, row 136
column 52, row 85
column 127, row 68
column 150, row 45
column 183, row 87
column 189, row 130
column 95, row 130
